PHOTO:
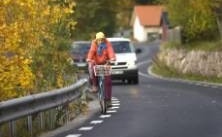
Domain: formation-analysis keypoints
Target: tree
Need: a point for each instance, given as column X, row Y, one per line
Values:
column 26, row 27
column 218, row 12
column 196, row 18
column 93, row 16
column 124, row 10
column 146, row 2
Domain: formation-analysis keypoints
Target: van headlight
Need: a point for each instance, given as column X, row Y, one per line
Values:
column 136, row 61
column 132, row 64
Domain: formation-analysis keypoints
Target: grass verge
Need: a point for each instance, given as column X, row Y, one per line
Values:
column 161, row 69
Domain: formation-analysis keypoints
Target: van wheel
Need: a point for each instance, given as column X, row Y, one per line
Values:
column 136, row 80
column 129, row 81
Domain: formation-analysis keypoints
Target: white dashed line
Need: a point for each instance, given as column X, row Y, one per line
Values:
column 74, row 135
column 116, row 101
column 96, row 122
column 115, row 104
column 111, row 111
column 85, row 128
column 105, row 116
column 114, row 107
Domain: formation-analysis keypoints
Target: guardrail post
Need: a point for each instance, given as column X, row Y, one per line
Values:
column 66, row 114
column 83, row 96
column 12, row 128
column 30, row 124
column 52, row 118
column 41, row 120
column 0, row 130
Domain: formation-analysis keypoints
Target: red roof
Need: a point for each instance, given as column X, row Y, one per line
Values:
column 149, row 15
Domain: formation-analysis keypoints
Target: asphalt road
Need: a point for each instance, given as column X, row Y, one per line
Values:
column 157, row 108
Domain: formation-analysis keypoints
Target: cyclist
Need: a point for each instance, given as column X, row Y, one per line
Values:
column 100, row 53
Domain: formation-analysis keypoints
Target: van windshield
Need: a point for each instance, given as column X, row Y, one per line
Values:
column 121, row 47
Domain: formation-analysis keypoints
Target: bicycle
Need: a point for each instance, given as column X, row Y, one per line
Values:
column 101, row 71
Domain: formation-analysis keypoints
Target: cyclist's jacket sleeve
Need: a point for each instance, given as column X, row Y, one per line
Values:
column 107, row 53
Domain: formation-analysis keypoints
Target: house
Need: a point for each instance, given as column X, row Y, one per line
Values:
column 148, row 22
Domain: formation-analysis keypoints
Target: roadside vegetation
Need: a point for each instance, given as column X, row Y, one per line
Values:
column 35, row 39
column 197, row 18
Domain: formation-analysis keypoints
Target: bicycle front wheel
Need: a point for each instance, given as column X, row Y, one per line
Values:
column 103, row 106
column 102, row 101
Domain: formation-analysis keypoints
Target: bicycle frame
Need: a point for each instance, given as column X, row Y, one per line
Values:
column 101, row 71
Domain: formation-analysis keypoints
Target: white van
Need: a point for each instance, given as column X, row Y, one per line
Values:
column 125, row 66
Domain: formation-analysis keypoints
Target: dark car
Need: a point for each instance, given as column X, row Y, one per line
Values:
column 79, row 52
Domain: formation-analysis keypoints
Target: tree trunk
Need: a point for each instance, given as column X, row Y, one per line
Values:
column 219, row 24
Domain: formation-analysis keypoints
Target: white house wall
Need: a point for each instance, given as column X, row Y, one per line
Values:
column 153, row 30
column 139, row 32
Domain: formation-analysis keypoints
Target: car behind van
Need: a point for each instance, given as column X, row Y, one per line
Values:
column 125, row 66
column 79, row 52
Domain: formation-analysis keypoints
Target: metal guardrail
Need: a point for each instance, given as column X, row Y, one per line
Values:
column 13, row 109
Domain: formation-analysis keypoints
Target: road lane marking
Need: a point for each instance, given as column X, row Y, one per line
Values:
column 144, row 75
column 105, row 116
column 214, row 86
column 74, row 135
column 115, row 104
column 116, row 101
column 144, row 62
column 96, row 122
column 113, row 98
column 192, row 82
column 85, row 128
column 111, row 111
column 114, row 107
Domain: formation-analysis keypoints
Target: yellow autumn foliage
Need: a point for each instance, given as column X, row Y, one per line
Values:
column 24, row 24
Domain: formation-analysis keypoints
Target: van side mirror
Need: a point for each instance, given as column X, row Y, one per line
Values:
column 138, row 50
